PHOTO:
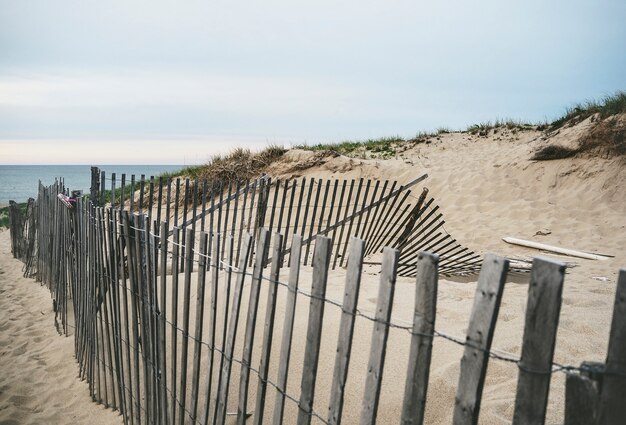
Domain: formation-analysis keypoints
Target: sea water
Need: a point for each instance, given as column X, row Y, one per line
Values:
column 20, row 182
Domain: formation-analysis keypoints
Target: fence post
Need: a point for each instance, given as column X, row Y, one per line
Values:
column 314, row 329
column 542, row 320
column 478, row 341
column 188, row 260
column 582, row 394
column 95, row 186
column 346, row 330
column 224, row 380
column 376, row 362
column 268, row 333
column 253, row 305
column 612, row 405
column 285, row 345
column 199, row 312
column 424, row 315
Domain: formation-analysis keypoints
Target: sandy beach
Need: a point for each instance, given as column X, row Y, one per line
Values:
column 38, row 374
column 487, row 187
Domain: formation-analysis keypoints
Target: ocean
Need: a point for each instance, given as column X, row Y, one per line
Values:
column 20, row 182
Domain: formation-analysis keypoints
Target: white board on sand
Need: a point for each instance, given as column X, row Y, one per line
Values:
column 552, row 248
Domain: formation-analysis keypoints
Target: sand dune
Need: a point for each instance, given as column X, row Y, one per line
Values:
column 38, row 373
column 487, row 188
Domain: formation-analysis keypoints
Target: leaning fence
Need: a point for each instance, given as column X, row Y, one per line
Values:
column 174, row 292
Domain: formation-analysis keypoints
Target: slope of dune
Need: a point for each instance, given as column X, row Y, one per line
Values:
column 488, row 188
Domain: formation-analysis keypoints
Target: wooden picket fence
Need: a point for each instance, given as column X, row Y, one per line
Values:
column 155, row 309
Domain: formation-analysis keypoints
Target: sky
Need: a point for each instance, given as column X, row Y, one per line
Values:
column 176, row 81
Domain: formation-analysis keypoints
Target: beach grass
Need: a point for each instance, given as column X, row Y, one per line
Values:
column 609, row 105
column 4, row 214
column 384, row 146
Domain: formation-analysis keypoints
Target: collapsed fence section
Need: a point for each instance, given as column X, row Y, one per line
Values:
column 170, row 324
column 384, row 213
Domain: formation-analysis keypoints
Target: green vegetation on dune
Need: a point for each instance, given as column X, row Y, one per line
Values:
column 241, row 164
column 387, row 147
column 237, row 166
column 607, row 106
column 4, row 214
column 483, row 129
column 383, row 147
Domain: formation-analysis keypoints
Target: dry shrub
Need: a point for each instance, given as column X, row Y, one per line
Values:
column 238, row 166
column 223, row 171
column 606, row 138
column 553, row 152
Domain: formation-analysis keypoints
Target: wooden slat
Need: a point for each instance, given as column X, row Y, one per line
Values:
column 150, row 199
column 230, row 243
column 368, row 223
column 366, row 201
column 268, row 332
column 314, row 329
column 243, row 218
column 215, row 274
column 542, row 320
column 346, row 330
column 205, row 189
column 176, row 202
column 145, row 316
column 132, row 257
column 159, row 203
column 312, row 224
column 298, row 209
column 174, row 323
column 425, row 311
column 480, row 331
column 285, row 346
column 287, row 227
column 184, row 247
column 197, row 349
column 248, row 344
column 163, row 321
column 224, row 381
column 142, row 188
column 612, row 405
column 380, row 333
column 124, row 289
column 380, row 233
column 102, row 188
column 355, row 207
column 122, row 190
column 306, row 209
column 581, row 400
column 189, row 254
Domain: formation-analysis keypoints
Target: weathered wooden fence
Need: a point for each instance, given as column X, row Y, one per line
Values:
column 384, row 213
column 155, row 299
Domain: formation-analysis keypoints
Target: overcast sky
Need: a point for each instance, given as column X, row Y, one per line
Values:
column 175, row 81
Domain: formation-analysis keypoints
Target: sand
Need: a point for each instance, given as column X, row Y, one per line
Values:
column 38, row 372
column 487, row 188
